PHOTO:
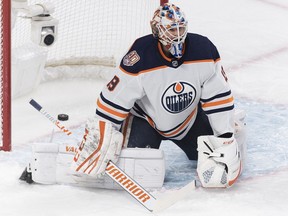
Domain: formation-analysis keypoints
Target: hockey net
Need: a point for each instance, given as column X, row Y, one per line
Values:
column 90, row 33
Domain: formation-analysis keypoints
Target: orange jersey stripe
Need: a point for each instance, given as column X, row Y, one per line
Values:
column 113, row 112
column 182, row 126
column 150, row 121
column 164, row 66
column 200, row 61
column 217, row 103
column 143, row 71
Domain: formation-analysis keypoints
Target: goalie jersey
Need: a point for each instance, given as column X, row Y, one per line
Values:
column 166, row 92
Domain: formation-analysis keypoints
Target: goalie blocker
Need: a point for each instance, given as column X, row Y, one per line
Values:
column 51, row 164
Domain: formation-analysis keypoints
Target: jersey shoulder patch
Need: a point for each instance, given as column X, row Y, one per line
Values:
column 141, row 56
column 131, row 58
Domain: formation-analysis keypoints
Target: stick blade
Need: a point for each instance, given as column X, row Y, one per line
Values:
column 171, row 197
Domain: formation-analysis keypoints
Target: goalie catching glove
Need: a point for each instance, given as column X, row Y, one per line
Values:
column 219, row 161
column 101, row 143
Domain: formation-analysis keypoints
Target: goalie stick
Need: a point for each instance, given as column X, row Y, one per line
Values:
column 143, row 196
column 38, row 107
column 126, row 182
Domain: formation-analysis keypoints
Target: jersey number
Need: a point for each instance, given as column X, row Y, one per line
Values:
column 113, row 83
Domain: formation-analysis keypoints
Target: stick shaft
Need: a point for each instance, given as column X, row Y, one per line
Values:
column 38, row 107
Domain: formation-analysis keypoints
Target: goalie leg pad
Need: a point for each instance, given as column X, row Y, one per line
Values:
column 241, row 134
column 50, row 164
column 50, row 161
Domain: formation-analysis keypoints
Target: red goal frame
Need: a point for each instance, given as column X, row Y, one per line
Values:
column 6, row 75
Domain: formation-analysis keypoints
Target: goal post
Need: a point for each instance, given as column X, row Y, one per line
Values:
column 90, row 32
column 5, row 83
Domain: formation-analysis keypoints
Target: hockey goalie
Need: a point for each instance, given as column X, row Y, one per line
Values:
column 170, row 85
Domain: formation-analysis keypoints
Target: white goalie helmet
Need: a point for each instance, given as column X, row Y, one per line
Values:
column 169, row 26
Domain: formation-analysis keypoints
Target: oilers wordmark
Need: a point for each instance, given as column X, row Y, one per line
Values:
column 178, row 97
column 179, row 102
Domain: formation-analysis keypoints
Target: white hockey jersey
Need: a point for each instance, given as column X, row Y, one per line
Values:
column 166, row 92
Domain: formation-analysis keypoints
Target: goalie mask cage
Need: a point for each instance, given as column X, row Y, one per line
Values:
column 89, row 32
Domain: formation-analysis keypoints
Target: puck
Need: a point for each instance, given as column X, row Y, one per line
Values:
column 63, row 117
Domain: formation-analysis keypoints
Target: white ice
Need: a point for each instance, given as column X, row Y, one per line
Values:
column 252, row 37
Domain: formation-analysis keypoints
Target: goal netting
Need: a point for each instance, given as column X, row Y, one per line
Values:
column 92, row 29
column 89, row 33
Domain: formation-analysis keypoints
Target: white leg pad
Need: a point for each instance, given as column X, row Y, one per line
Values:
column 240, row 133
column 51, row 165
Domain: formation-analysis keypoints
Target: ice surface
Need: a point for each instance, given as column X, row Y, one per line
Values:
column 252, row 37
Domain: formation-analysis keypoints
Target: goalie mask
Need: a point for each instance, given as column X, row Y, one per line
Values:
column 169, row 26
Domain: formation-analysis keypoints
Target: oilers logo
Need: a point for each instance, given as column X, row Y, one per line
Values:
column 178, row 97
